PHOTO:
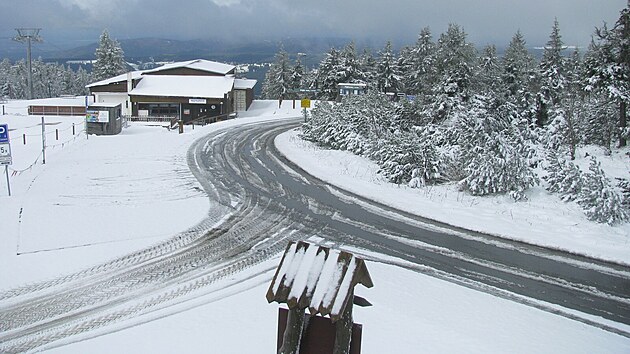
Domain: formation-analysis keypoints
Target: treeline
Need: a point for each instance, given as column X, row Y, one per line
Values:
column 55, row 80
column 49, row 80
column 492, row 124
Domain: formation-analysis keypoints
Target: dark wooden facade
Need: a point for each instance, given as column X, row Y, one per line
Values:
column 56, row 110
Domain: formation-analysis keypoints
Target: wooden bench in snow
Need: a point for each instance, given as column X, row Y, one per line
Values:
column 321, row 280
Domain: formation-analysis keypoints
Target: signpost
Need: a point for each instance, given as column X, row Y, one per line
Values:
column 5, row 152
column 305, row 103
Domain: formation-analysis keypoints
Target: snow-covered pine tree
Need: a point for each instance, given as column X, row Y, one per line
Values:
column 608, row 68
column 598, row 198
column 422, row 71
column 493, row 156
column 109, row 58
column 327, row 75
column 624, row 186
column 349, row 69
column 454, row 65
column 278, row 80
column 487, row 79
column 563, row 177
column 552, row 76
column 367, row 66
column 297, row 78
column 387, row 74
column 518, row 67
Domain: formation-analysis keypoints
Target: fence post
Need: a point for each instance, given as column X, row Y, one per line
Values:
column 24, row 138
column 57, row 134
column 72, row 129
column 43, row 142
column 180, row 123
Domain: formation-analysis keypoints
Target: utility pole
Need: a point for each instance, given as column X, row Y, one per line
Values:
column 28, row 35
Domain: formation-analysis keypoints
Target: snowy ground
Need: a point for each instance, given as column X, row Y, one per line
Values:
column 543, row 219
column 103, row 197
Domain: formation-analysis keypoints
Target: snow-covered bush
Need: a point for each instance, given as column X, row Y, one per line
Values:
column 600, row 201
column 408, row 157
column 624, row 185
column 494, row 156
column 495, row 166
column 563, row 177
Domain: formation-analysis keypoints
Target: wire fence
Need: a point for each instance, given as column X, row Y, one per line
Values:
column 43, row 137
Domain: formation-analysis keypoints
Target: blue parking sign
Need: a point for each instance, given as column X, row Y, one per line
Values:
column 4, row 133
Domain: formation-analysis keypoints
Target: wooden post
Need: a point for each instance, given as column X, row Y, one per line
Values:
column 180, row 123
column 293, row 332
column 343, row 329
column 24, row 138
column 72, row 129
column 56, row 134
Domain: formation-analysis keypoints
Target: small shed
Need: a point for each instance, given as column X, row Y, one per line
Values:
column 321, row 280
column 104, row 119
column 346, row 88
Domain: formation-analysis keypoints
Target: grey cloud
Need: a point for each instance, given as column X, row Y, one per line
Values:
column 490, row 21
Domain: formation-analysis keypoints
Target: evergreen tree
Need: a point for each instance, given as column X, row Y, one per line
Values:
column 297, row 77
column 553, row 75
column 367, row 66
column 563, row 178
column 488, row 73
column 387, row 74
column 278, row 80
column 608, row 68
column 349, row 70
column 109, row 58
column 600, row 201
column 454, row 66
column 327, row 75
column 421, row 75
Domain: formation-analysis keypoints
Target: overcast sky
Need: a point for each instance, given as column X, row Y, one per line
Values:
column 485, row 21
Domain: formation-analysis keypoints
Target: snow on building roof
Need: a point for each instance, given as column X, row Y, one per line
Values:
column 317, row 278
column 198, row 64
column 242, row 84
column 183, row 86
column 120, row 78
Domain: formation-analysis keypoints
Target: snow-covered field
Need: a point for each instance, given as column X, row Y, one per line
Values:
column 102, row 197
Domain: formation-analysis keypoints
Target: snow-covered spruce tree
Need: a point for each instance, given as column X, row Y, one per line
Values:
column 553, row 76
column 608, row 68
column 493, row 154
column 454, row 63
column 600, row 124
column 109, row 58
column 278, row 80
column 387, row 73
column 349, row 69
column 297, row 78
column 421, row 75
column 409, row 157
column 563, row 177
column 624, row 185
column 598, row 198
column 487, row 79
column 327, row 75
column 367, row 66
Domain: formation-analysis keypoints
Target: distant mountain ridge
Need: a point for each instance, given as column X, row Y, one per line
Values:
column 160, row 49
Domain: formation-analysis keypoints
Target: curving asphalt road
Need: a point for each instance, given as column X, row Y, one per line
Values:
column 482, row 261
column 259, row 200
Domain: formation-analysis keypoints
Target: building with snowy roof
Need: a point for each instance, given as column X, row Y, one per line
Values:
column 187, row 90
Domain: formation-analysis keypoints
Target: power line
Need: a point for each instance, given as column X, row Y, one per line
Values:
column 28, row 35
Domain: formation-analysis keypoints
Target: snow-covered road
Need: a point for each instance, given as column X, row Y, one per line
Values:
column 259, row 199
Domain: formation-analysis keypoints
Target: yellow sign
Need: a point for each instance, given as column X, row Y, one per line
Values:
column 306, row 103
